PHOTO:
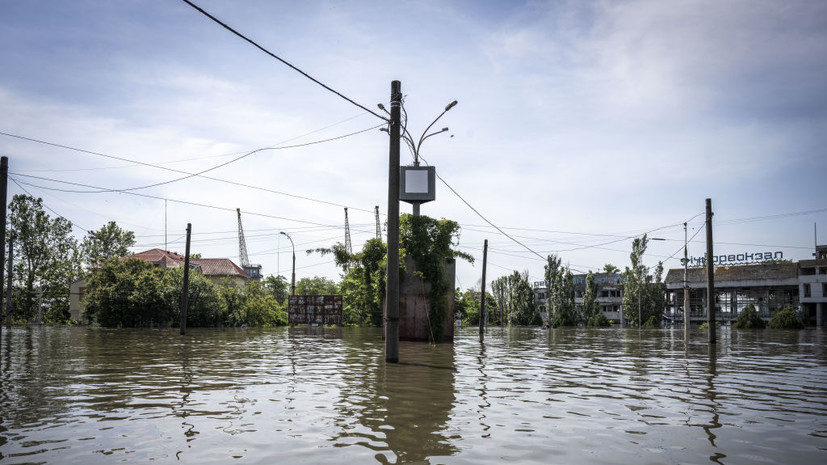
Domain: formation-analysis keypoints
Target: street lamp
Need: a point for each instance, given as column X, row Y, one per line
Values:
column 293, row 279
column 416, row 146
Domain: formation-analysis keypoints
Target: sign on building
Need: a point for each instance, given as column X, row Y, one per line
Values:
column 314, row 309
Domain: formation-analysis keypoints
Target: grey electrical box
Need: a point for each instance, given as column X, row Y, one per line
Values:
column 417, row 184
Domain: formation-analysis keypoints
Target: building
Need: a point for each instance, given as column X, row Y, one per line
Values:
column 769, row 287
column 609, row 294
column 812, row 278
column 220, row 271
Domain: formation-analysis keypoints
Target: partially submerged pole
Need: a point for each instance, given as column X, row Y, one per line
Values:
column 185, row 291
column 483, row 309
column 392, row 272
column 4, row 179
column 710, row 276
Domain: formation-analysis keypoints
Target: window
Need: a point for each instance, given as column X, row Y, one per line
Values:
column 806, row 289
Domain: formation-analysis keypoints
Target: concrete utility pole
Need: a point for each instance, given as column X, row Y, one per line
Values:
column 4, row 179
column 392, row 273
column 483, row 309
column 710, row 276
column 9, row 283
column 186, row 290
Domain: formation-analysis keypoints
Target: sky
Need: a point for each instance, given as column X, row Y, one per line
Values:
column 580, row 124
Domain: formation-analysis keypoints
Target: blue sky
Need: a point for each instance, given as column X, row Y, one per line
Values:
column 579, row 125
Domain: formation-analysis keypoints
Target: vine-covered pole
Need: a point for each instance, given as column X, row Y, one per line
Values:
column 392, row 272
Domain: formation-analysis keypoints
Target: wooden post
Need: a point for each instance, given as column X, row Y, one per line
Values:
column 710, row 276
column 392, row 272
column 185, row 291
column 483, row 309
column 685, row 285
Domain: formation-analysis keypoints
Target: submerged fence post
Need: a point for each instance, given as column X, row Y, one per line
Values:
column 186, row 290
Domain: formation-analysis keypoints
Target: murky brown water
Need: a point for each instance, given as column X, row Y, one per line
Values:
column 76, row 395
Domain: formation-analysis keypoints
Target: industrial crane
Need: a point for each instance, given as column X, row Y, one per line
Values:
column 253, row 270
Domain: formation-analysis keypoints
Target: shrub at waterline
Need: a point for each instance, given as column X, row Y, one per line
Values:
column 748, row 319
column 787, row 318
column 598, row 320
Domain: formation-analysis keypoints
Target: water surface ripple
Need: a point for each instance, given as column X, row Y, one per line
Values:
column 326, row 395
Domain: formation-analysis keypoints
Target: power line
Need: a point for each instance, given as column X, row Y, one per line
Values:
column 183, row 202
column 188, row 174
column 49, row 208
column 227, row 27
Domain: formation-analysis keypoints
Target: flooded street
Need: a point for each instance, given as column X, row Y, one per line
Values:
column 312, row 395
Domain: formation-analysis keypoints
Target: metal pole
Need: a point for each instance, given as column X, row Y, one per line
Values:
column 710, row 276
column 685, row 285
column 392, row 273
column 293, row 275
column 483, row 309
column 186, row 289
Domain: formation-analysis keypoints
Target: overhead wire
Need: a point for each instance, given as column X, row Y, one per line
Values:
column 253, row 43
column 190, row 175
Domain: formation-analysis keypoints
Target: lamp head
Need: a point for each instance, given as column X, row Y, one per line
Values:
column 450, row 105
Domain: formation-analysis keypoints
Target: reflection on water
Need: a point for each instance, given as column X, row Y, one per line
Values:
column 325, row 395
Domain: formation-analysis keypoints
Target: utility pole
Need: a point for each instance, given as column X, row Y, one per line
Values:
column 4, row 179
column 378, row 224
column 710, row 276
column 9, row 284
column 483, row 309
column 685, row 285
column 185, row 291
column 392, row 273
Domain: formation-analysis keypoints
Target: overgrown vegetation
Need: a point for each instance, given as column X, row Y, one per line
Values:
column 748, row 318
column 598, row 320
column 135, row 293
column 427, row 241
column 787, row 318
column 515, row 298
column 643, row 291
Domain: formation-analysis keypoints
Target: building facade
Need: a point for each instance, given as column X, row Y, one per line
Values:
column 812, row 278
column 609, row 295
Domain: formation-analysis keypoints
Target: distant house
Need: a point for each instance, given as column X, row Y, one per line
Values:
column 220, row 271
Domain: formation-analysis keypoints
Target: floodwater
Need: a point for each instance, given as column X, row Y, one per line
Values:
column 313, row 395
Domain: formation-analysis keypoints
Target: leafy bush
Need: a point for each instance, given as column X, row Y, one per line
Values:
column 598, row 320
column 748, row 319
column 787, row 318
column 652, row 322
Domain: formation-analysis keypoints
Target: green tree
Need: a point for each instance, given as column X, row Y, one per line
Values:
column 110, row 241
column 565, row 311
column 609, row 268
column 278, row 287
column 130, row 293
column 748, row 318
column 787, row 318
column 590, row 305
column 641, row 290
column 46, row 259
column 363, row 285
column 316, row 286
column 514, row 295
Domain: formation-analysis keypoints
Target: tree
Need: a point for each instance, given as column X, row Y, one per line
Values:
column 748, row 318
column 609, row 268
column 787, row 318
column 278, row 287
column 130, row 293
column 110, row 241
column 641, row 290
column 316, row 286
column 363, row 286
column 561, row 308
column 46, row 260
column 514, row 295
column 590, row 305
